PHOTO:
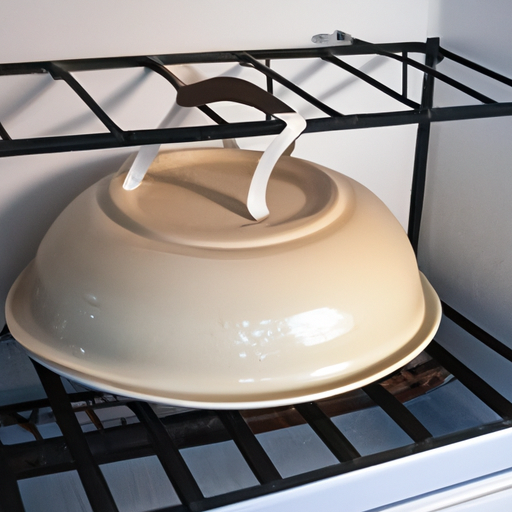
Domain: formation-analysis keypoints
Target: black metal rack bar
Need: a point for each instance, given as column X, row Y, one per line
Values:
column 94, row 64
column 405, row 75
column 477, row 332
column 398, row 413
column 115, row 444
column 270, row 86
column 95, row 485
column 59, row 144
column 177, row 470
column 402, row 98
column 59, row 73
column 475, row 67
column 325, row 429
column 421, row 154
column 472, row 381
column 335, row 121
column 431, row 71
column 290, row 482
column 397, row 118
column 256, row 457
column 246, row 58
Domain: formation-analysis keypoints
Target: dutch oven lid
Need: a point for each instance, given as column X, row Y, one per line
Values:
column 206, row 284
column 198, row 199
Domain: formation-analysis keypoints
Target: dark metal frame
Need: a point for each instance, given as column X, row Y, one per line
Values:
column 422, row 114
column 85, row 452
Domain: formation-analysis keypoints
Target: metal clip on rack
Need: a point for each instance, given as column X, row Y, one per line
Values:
column 166, row 436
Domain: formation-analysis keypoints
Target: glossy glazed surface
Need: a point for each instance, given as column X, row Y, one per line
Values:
column 170, row 293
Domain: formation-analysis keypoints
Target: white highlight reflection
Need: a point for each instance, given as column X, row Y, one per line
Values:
column 330, row 370
column 319, row 325
column 308, row 328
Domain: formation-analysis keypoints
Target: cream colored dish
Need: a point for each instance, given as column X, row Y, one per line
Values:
column 172, row 293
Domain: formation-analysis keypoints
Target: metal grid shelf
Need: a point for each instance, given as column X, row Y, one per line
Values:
column 422, row 114
column 166, row 436
column 334, row 120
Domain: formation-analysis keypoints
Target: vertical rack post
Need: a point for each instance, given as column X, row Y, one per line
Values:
column 270, row 85
column 405, row 77
column 422, row 140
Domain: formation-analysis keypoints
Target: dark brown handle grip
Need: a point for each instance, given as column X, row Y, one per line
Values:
column 224, row 88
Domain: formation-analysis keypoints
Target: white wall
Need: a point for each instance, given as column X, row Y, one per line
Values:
column 466, row 238
column 59, row 29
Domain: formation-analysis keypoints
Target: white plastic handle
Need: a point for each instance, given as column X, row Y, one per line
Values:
column 241, row 91
column 140, row 166
column 256, row 199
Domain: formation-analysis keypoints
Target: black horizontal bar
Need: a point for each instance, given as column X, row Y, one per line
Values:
column 327, row 431
column 497, row 402
column 270, row 73
column 93, row 481
column 436, row 74
column 168, row 454
column 59, row 72
column 10, row 497
column 114, row 444
column 398, row 412
column 375, row 83
column 477, row 332
column 358, row 48
column 382, row 119
column 476, row 67
column 249, row 446
column 60, row 144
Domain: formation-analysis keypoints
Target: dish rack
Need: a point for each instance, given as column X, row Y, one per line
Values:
column 91, row 430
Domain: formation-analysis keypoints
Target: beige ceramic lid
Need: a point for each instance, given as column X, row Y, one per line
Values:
column 198, row 199
column 170, row 292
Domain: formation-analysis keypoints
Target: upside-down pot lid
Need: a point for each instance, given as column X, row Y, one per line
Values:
column 171, row 293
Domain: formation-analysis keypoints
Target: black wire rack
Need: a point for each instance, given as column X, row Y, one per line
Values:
column 167, row 435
